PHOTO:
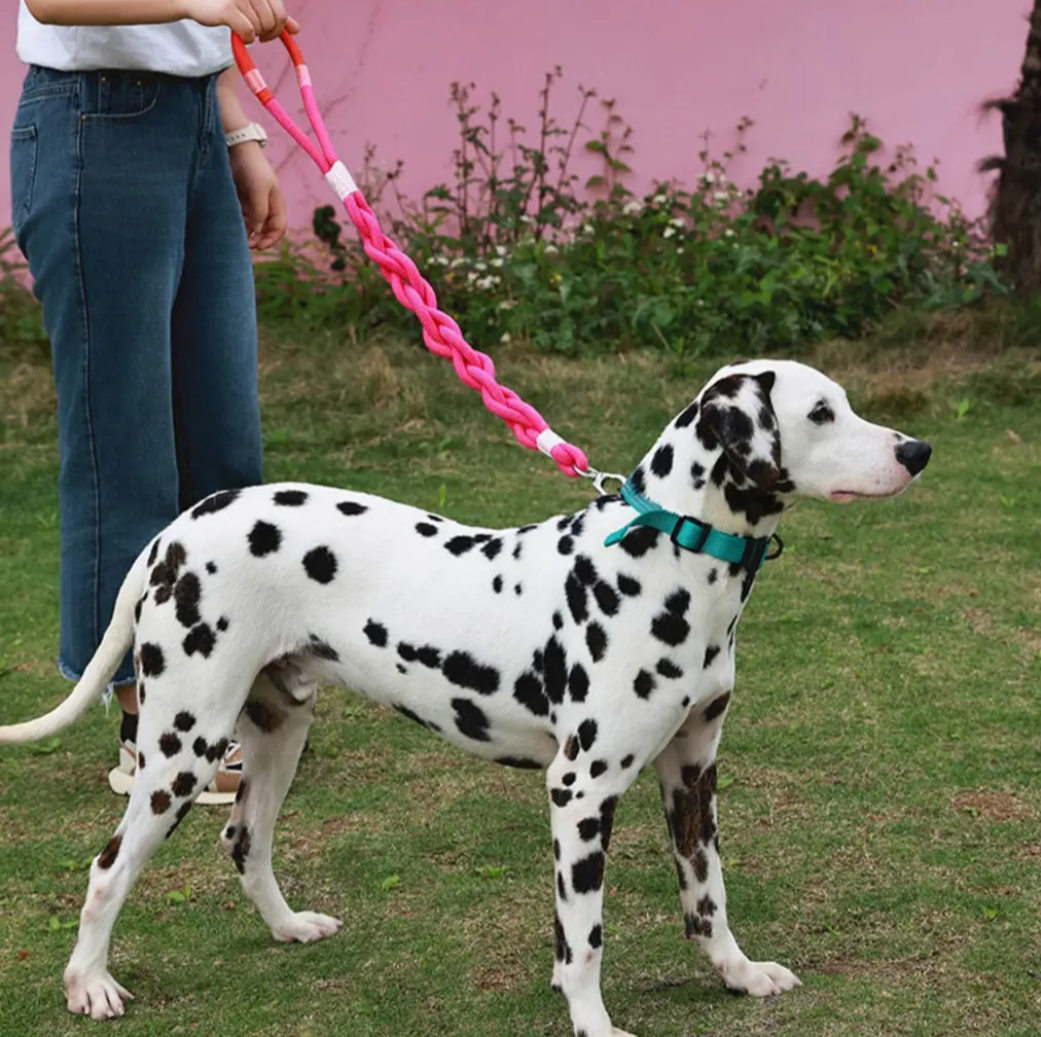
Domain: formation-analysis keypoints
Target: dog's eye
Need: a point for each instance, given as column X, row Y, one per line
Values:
column 821, row 414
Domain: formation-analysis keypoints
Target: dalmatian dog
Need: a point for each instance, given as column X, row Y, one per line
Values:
column 540, row 647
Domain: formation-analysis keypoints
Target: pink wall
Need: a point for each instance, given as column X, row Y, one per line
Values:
column 918, row 69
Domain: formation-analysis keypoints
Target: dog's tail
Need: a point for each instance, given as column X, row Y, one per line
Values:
column 118, row 638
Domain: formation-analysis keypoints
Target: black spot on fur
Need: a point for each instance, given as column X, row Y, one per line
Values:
column 558, row 621
column 215, row 502
column 596, row 641
column 669, row 628
column 577, row 600
column 459, row 545
column 589, row 828
column 517, row 549
column 563, row 951
column 187, row 595
column 376, row 633
column 578, row 683
column 597, row 768
column 291, row 498
column 607, row 810
column 497, row 585
column 706, row 906
column 606, row 597
column 222, row 623
column 349, row 507
column 569, row 778
column 560, row 797
column 492, row 548
column 627, row 761
column 596, row 936
column 152, row 661
column 406, row 712
column 429, row 656
column 717, row 706
column 471, row 720
column 137, row 608
column 200, row 639
column 667, row 668
column 638, row 541
column 565, row 545
column 211, row 567
column 822, row 414
column 240, row 851
column 322, row 649
column 184, row 721
column 264, row 539
column 426, row 529
column 697, row 476
column 587, row 875
column 320, row 564
column 710, row 654
column 585, row 571
column 160, row 801
column 587, row 732
column 688, row 416
column 694, row 926
column 637, row 480
column 462, row 669
column 661, row 462
column 555, row 671
column 628, row 586
column 517, row 589
column 644, row 684
column 108, row 856
column 184, row 783
column 528, row 692
column 169, row 744
column 153, row 554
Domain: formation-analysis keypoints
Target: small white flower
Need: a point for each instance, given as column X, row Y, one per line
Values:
column 507, row 304
column 505, row 338
column 439, row 260
column 728, row 233
column 669, row 232
column 679, row 252
column 631, row 208
column 480, row 266
column 677, row 223
column 701, row 302
column 471, row 277
column 551, row 250
column 500, row 250
column 710, row 178
column 457, row 262
column 721, row 196
column 660, row 199
column 587, row 228
column 525, row 218
column 497, row 261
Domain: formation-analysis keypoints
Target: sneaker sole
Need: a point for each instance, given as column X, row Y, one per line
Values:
column 122, row 784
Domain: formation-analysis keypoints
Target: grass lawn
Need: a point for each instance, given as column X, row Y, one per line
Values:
column 880, row 768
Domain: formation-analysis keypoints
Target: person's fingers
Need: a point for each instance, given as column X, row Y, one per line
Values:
column 275, row 225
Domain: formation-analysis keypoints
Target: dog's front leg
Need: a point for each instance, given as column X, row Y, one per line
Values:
column 582, row 814
column 687, row 772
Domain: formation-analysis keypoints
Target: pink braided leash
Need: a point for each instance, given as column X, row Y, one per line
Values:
column 440, row 332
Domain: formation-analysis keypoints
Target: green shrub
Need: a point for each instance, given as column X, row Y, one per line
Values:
column 517, row 247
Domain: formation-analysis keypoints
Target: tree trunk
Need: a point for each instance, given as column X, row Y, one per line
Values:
column 1016, row 205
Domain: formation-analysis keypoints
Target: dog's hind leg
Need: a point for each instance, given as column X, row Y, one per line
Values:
column 272, row 728
column 175, row 763
column 687, row 771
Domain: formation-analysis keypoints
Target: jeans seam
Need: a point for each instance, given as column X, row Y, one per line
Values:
column 78, row 262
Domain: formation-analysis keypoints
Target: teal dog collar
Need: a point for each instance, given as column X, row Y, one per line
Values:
column 694, row 535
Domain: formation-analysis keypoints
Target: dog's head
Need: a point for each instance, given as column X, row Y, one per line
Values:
column 788, row 431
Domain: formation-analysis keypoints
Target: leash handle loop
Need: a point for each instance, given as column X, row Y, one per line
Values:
column 441, row 334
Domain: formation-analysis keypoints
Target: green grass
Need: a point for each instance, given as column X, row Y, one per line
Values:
column 881, row 833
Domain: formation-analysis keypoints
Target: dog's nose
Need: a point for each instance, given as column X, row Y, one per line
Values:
column 914, row 455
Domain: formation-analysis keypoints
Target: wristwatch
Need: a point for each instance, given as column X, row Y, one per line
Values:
column 254, row 131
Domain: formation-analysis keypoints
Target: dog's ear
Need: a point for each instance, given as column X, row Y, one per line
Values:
column 738, row 416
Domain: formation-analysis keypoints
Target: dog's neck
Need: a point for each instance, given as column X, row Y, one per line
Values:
column 682, row 474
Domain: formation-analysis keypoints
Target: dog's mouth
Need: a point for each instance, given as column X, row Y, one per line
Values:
column 846, row 496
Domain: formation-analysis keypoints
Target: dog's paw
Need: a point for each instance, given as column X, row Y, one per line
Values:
column 100, row 997
column 306, row 927
column 760, row 978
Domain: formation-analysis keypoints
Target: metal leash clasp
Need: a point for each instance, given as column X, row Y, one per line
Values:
column 598, row 478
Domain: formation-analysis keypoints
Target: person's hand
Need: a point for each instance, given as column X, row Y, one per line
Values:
column 251, row 19
column 263, row 204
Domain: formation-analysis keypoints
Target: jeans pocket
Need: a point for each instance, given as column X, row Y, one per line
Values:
column 122, row 96
column 23, row 174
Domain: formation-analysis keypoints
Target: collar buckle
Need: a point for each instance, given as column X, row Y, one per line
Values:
column 703, row 528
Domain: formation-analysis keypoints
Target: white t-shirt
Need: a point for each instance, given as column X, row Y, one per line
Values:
column 179, row 49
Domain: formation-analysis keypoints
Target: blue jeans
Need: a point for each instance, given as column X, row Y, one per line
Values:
column 124, row 205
